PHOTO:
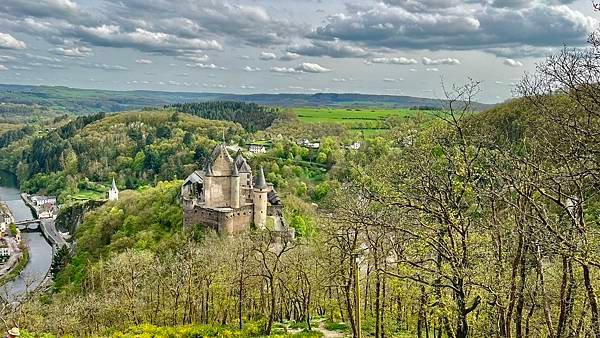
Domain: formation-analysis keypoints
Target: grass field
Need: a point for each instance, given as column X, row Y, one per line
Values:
column 350, row 115
column 84, row 195
column 370, row 121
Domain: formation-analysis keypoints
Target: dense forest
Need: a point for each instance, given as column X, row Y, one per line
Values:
column 250, row 115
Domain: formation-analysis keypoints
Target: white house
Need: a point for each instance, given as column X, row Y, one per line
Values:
column 4, row 250
column 257, row 149
column 354, row 146
column 40, row 200
column 306, row 143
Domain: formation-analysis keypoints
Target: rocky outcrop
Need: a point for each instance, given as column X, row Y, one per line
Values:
column 70, row 217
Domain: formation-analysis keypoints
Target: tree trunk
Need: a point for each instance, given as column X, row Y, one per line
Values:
column 592, row 299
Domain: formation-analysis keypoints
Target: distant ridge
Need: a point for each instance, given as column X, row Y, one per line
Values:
column 94, row 100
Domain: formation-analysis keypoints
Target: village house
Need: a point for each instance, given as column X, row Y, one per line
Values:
column 40, row 200
column 308, row 144
column 4, row 249
column 257, row 148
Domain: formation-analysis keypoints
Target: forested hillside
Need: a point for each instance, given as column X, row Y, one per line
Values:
column 135, row 148
column 250, row 115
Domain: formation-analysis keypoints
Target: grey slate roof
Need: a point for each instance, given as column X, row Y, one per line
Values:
column 195, row 177
column 241, row 164
column 260, row 183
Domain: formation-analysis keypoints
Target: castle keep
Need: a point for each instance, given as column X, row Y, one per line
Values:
column 227, row 197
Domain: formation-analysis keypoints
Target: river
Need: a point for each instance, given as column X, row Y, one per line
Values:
column 40, row 252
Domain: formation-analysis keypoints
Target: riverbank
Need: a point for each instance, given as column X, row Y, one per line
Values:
column 16, row 270
column 33, row 271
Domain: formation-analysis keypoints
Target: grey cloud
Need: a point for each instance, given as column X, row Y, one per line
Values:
column 289, row 56
column 159, row 26
column 334, row 49
column 483, row 27
column 41, row 9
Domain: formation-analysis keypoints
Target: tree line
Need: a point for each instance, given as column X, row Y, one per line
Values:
column 251, row 116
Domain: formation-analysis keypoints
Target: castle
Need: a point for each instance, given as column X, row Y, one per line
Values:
column 227, row 197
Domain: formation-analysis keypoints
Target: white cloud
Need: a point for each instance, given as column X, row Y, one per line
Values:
column 513, row 63
column 251, row 69
column 205, row 66
column 284, row 70
column 334, row 49
column 305, row 67
column 194, row 57
column 7, row 41
column 103, row 66
column 247, row 87
column 312, row 68
column 432, row 69
column 389, row 79
column 42, row 57
column 445, row 61
column 393, row 60
column 77, row 52
column 144, row 40
column 3, row 67
column 143, row 61
column 7, row 58
column 265, row 56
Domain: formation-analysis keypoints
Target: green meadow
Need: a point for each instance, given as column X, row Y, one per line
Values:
column 369, row 120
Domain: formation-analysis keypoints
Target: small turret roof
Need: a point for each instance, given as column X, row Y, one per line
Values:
column 261, row 183
column 235, row 171
column 208, row 169
column 114, row 185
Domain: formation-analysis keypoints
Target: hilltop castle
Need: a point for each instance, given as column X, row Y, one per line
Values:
column 226, row 197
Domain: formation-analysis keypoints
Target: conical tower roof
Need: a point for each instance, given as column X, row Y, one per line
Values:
column 261, row 183
column 235, row 171
column 114, row 185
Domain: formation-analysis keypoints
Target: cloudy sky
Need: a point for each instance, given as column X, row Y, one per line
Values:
column 399, row 47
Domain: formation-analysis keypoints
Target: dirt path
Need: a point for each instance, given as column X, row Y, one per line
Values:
column 328, row 333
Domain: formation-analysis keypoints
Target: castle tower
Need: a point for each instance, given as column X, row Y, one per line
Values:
column 235, row 187
column 113, row 193
column 260, row 200
column 207, row 184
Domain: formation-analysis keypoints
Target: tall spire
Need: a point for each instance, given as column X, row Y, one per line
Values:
column 261, row 183
column 114, row 185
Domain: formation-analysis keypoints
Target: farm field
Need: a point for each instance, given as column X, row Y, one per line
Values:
column 371, row 121
column 350, row 115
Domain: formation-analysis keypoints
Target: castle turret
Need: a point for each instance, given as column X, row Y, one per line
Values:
column 113, row 193
column 207, row 184
column 235, row 187
column 260, row 200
